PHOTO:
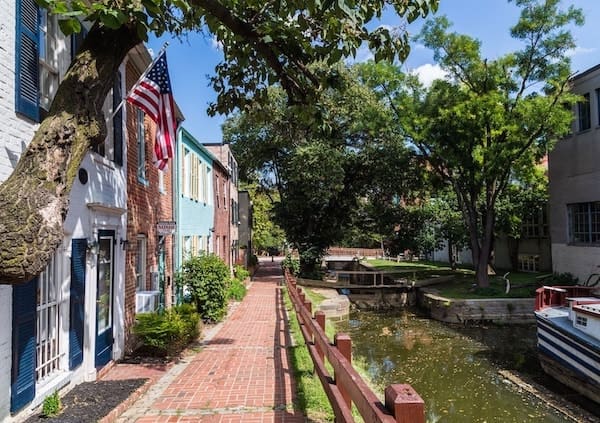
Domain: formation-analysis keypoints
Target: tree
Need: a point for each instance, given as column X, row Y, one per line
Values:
column 525, row 200
column 490, row 118
column 320, row 170
column 266, row 234
column 263, row 43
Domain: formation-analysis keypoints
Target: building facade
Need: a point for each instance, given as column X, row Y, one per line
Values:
column 224, row 154
column 245, row 227
column 194, row 208
column 222, row 223
column 149, row 242
column 67, row 323
column 574, row 173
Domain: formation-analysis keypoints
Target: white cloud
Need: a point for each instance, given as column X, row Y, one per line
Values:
column 428, row 73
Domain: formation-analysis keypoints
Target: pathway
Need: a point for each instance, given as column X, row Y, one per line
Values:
column 241, row 374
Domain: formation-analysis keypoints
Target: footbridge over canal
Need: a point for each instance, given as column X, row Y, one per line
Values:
column 373, row 289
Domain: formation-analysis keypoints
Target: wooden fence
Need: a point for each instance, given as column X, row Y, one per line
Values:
column 355, row 252
column 346, row 386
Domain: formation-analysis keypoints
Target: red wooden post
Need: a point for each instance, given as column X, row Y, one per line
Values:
column 308, row 306
column 344, row 344
column 405, row 404
column 320, row 318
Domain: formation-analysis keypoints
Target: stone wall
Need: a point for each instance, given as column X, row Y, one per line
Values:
column 475, row 311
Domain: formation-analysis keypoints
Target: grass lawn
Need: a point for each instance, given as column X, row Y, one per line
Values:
column 523, row 285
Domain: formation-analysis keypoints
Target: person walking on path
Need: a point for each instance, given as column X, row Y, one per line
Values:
column 242, row 373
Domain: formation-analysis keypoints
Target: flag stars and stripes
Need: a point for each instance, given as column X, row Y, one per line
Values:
column 153, row 95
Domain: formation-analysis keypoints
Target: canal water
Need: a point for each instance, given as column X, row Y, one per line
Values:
column 454, row 369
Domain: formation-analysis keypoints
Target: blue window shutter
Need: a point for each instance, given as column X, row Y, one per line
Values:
column 23, row 345
column 118, row 121
column 27, row 60
column 77, row 310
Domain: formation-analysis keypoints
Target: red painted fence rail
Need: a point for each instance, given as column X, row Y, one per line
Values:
column 346, row 386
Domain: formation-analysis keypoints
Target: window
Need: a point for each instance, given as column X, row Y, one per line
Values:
column 48, row 43
column 581, row 321
column 598, row 106
column 584, row 223
column 583, row 113
column 529, row 262
column 535, row 225
column 140, row 263
column 205, row 175
column 112, row 147
column 141, row 146
column 194, row 177
column 48, row 321
column 161, row 183
column 186, row 247
column 185, row 173
column 217, row 200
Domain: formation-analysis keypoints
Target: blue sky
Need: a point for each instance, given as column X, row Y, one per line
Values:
column 191, row 61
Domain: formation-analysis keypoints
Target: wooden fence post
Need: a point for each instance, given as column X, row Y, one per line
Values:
column 320, row 318
column 405, row 404
column 344, row 344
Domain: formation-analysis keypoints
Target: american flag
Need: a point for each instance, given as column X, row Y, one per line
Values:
column 153, row 95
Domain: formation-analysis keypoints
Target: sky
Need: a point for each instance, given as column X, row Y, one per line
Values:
column 193, row 60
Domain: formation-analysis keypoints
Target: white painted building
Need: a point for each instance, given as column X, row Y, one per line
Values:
column 574, row 174
column 67, row 323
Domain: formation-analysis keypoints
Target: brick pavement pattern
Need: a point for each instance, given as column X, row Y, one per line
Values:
column 242, row 374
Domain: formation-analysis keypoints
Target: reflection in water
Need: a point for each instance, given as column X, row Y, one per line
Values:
column 453, row 369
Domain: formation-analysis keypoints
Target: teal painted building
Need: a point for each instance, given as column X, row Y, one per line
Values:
column 194, row 198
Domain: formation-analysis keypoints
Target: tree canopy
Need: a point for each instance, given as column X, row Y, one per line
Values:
column 264, row 43
column 491, row 118
column 320, row 170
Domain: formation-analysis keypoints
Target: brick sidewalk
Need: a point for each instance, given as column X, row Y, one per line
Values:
column 242, row 374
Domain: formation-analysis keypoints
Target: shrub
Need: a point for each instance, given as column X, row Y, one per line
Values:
column 253, row 260
column 236, row 290
column 561, row 279
column 240, row 273
column 291, row 264
column 168, row 332
column 206, row 277
column 52, row 405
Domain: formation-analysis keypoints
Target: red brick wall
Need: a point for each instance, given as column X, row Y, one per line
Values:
column 222, row 210
column 145, row 207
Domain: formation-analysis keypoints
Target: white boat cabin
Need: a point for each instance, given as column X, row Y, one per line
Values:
column 584, row 313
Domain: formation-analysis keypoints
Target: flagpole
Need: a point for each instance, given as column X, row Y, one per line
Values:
column 142, row 76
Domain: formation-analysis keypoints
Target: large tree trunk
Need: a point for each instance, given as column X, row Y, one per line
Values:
column 34, row 200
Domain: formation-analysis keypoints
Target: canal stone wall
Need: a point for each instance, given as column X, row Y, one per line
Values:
column 476, row 311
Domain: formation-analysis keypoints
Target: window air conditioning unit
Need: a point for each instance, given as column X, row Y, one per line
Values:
column 147, row 301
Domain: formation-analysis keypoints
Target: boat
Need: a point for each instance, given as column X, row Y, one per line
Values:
column 568, row 336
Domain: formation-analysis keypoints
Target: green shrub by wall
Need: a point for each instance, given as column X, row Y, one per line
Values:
column 206, row 277
column 169, row 332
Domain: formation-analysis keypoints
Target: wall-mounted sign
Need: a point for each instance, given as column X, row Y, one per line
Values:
column 166, row 227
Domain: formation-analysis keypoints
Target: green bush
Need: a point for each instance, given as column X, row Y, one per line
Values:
column 240, row 273
column 253, row 260
column 167, row 333
column 561, row 279
column 292, row 264
column 206, row 277
column 52, row 405
column 236, row 290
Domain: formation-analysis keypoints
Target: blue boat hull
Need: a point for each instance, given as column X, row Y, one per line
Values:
column 569, row 356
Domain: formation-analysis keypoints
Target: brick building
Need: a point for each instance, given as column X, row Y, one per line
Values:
column 149, row 254
column 222, row 208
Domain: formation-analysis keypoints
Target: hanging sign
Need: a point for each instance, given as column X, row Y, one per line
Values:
column 166, row 227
